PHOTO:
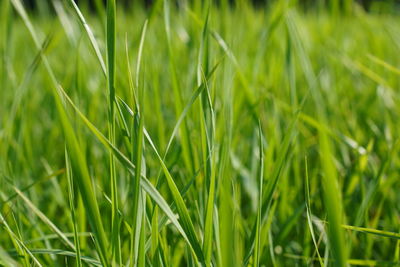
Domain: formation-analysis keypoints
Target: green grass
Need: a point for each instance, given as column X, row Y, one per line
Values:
column 198, row 135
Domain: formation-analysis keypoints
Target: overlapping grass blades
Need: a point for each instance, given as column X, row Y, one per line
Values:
column 197, row 134
column 78, row 162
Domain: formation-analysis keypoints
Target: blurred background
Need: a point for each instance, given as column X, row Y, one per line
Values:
column 380, row 6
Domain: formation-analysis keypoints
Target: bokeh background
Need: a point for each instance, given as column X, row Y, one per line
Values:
column 382, row 6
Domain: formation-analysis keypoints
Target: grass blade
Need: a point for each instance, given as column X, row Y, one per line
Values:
column 77, row 158
column 111, row 62
column 257, row 248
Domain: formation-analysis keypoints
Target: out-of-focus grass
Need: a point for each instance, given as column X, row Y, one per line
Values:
column 242, row 137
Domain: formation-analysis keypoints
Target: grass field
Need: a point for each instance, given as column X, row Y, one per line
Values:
column 198, row 135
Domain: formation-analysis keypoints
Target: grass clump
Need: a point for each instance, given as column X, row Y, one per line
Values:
column 243, row 136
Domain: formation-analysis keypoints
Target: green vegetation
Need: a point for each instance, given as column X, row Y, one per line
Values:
column 199, row 135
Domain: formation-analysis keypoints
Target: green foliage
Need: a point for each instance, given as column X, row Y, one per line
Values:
column 243, row 137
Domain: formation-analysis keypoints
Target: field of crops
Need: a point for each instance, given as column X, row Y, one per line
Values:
column 199, row 134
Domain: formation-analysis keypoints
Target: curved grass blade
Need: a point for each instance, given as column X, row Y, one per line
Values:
column 26, row 188
column 372, row 231
column 257, row 248
column 144, row 182
column 178, row 98
column 67, row 253
column 332, row 194
column 138, row 230
column 90, row 35
column 384, row 64
column 72, row 207
column 111, row 65
column 193, row 98
column 19, row 244
column 278, row 166
column 77, row 158
column 180, row 204
column 44, row 218
column 210, row 170
column 309, row 220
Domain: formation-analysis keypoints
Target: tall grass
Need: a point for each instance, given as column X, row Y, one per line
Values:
column 198, row 134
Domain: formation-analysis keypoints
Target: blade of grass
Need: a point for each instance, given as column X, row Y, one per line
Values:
column 19, row 244
column 184, row 130
column 257, row 247
column 144, row 182
column 77, row 159
column 384, row 64
column 309, row 220
column 210, row 158
column 137, row 157
column 332, row 195
column 90, row 35
column 44, row 218
column 66, row 253
column 111, row 62
column 180, row 204
column 72, row 207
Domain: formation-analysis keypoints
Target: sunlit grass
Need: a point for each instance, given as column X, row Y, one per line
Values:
column 198, row 134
